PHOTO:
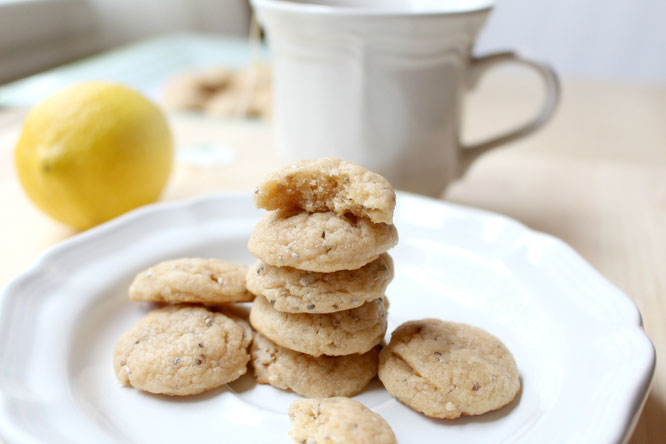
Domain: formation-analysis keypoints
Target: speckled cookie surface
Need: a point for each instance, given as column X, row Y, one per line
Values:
column 182, row 350
column 446, row 369
column 328, row 184
column 297, row 291
column 337, row 421
column 308, row 376
column 322, row 242
column 192, row 280
column 334, row 334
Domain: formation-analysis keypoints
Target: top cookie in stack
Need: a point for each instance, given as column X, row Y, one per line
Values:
column 323, row 268
column 322, row 185
column 329, row 215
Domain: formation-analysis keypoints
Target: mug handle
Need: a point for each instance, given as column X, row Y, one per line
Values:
column 478, row 66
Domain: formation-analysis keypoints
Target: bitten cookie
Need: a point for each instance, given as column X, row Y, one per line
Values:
column 194, row 280
column 337, row 421
column 322, row 242
column 297, row 291
column 327, row 184
column 182, row 350
column 308, row 376
column 446, row 369
column 335, row 334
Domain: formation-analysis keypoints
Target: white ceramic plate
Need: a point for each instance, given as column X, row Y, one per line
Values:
column 584, row 360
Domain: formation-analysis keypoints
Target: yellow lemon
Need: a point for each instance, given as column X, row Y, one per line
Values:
column 93, row 151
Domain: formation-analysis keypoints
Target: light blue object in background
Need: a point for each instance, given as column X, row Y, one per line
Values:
column 144, row 66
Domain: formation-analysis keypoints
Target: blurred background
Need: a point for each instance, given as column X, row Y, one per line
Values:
column 595, row 176
column 620, row 39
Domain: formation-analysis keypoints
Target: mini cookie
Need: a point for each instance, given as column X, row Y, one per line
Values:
column 445, row 369
column 249, row 95
column 225, row 103
column 297, row 291
column 322, row 242
column 335, row 334
column 327, row 184
column 337, row 421
column 195, row 280
column 182, row 350
column 192, row 90
column 308, row 376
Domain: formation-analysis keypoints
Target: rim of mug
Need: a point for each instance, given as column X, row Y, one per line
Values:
column 330, row 10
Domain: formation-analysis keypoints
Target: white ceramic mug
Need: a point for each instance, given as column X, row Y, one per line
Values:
column 381, row 82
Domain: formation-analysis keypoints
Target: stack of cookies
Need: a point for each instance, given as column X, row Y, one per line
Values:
column 320, row 313
column 320, row 310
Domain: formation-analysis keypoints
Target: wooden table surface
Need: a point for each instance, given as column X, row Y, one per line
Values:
column 594, row 177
